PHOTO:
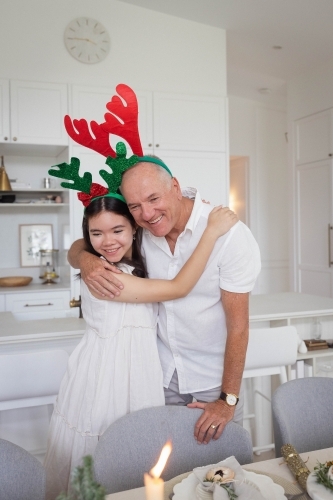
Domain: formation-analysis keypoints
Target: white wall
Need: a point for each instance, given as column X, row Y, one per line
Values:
column 311, row 92
column 258, row 132
column 149, row 50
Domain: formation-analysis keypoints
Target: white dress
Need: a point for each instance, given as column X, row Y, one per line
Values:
column 113, row 371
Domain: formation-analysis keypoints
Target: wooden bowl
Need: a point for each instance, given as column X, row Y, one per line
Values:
column 15, row 281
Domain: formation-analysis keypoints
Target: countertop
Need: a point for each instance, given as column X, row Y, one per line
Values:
column 14, row 330
column 36, row 287
column 268, row 306
column 289, row 305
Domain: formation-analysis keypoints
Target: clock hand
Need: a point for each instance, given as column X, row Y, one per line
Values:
column 83, row 39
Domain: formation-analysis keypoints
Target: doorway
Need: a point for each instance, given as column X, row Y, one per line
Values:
column 239, row 187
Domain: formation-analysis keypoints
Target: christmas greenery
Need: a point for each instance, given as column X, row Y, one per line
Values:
column 83, row 486
column 322, row 477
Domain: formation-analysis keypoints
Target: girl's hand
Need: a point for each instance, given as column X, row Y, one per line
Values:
column 220, row 220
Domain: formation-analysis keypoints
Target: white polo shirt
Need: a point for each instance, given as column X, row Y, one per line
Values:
column 192, row 330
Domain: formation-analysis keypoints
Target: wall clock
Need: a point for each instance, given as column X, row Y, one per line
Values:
column 87, row 40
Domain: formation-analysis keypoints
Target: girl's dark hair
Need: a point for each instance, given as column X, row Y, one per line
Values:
column 109, row 204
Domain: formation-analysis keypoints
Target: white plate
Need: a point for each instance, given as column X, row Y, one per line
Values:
column 316, row 490
column 269, row 490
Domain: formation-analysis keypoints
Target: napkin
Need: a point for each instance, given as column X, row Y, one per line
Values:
column 240, row 485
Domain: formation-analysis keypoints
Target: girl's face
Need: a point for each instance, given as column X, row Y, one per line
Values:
column 111, row 235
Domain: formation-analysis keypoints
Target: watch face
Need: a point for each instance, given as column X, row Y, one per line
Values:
column 231, row 399
column 87, row 40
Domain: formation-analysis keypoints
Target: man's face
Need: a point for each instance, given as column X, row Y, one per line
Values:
column 153, row 200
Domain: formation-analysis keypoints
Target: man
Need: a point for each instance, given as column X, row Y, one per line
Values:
column 203, row 337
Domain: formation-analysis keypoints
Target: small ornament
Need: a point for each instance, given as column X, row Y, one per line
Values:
column 221, row 475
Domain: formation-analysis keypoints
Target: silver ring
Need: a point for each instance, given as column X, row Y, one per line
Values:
column 213, row 426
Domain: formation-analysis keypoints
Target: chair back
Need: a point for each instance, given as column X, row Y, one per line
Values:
column 302, row 414
column 22, row 476
column 31, row 379
column 269, row 349
column 131, row 446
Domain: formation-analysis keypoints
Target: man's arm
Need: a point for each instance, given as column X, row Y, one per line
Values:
column 94, row 271
column 218, row 413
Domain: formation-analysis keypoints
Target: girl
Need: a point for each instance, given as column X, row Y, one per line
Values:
column 115, row 369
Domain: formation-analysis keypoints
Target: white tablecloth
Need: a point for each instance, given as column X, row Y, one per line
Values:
column 277, row 466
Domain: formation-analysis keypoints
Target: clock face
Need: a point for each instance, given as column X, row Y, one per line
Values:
column 231, row 399
column 87, row 40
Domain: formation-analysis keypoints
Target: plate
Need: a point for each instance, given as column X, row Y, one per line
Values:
column 316, row 490
column 269, row 490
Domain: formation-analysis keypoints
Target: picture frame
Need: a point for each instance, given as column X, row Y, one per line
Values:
column 33, row 238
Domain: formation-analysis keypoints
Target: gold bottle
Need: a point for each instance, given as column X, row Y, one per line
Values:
column 4, row 181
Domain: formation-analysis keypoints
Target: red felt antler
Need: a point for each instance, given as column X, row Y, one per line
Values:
column 123, row 120
column 78, row 130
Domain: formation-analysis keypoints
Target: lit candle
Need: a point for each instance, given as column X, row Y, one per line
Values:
column 153, row 483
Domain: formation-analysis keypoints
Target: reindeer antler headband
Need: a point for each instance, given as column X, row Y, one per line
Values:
column 122, row 121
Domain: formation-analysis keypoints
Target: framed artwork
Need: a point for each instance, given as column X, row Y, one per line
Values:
column 33, row 238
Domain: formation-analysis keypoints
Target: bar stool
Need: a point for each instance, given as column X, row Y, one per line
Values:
column 269, row 351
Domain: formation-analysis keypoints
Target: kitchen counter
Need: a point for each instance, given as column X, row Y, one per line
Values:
column 14, row 331
column 289, row 305
column 36, row 287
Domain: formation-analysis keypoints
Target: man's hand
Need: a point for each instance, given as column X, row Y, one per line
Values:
column 218, row 414
column 95, row 272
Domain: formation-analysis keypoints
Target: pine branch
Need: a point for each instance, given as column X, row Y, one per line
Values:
column 83, row 485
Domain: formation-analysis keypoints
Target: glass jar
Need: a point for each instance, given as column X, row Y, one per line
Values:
column 49, row 267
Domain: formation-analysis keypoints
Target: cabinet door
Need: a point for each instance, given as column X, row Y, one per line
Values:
column 313, row 138
column 37, row 112
column 2, row 303
column 189, row 123
column 207, row 172
column 4, row 110
column 90, row 103
column 314, row 187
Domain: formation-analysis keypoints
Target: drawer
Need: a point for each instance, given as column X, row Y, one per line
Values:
column 37, row 301
column 2, row 303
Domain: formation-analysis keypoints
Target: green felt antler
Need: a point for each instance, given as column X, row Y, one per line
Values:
column 118, row 165
column 71, row 173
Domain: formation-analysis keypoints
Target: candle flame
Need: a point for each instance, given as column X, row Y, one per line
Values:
column 158, row 469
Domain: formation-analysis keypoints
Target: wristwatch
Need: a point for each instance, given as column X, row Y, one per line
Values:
column 230, row 399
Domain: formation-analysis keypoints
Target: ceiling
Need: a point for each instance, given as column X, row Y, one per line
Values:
column 303, row 28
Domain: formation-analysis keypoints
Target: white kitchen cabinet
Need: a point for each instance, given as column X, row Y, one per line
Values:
column 4, row 111
column 167, row 121
column 2, row 303
column 313, row 188
column 48, row 300
column 35, row 112
column 314, row 137
column 189, row 123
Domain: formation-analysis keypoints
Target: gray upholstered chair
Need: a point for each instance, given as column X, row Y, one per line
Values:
column 131, row 446
column 302, row 414
column 22, row 476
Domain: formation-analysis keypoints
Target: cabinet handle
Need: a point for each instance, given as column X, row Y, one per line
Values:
column 38, row 305
column 14, row 138
column 330, row 154
column 150, row 145
column 6, row 138
column 330, row 263
column 157, row 145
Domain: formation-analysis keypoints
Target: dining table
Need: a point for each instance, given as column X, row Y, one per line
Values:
column 276, row 468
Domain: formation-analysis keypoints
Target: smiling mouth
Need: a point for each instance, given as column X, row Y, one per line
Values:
column 112, row 251
column 155, row 220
